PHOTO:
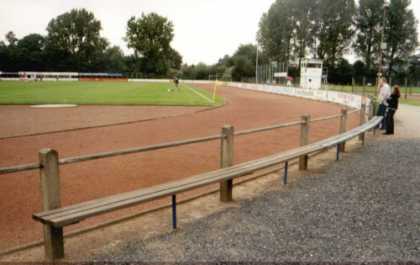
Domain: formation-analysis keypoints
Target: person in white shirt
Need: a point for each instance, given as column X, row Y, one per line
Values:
column 384, row 94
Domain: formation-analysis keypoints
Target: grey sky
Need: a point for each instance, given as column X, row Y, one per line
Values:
column 205, row 30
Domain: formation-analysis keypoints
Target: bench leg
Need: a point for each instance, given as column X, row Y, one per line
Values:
column 54, row 242
column 303, row 162
column 226, row 188
column 362, row 138
column 342, row 147
column 338, row 153
column 174, row 218
column 286, row 172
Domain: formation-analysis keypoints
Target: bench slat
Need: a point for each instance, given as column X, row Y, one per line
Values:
column 75, row 213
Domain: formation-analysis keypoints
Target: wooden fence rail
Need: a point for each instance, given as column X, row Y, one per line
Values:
column 54, row 217
column 78, row 159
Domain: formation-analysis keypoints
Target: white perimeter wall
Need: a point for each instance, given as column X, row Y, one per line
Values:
column 346, row 99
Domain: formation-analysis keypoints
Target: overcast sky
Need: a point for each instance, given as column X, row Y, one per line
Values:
column 205, row 30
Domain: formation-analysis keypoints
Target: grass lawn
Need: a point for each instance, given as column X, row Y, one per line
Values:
column 103, row 93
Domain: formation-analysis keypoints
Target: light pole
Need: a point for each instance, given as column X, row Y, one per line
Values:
column 383, row 44
column 256, row 66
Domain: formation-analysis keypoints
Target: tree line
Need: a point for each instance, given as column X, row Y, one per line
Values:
column 74, row 44
column 383, row 35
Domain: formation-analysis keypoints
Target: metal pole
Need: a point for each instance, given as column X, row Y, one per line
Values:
column 338, row 152
column 174, row 224
column 256, row 67
column 362, row 121
column 381, row 55
column 286, row 172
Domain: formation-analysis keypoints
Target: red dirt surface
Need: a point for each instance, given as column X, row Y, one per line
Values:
column 24, row 120
column 20, row 196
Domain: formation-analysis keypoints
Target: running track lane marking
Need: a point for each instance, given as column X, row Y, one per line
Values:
column 199, row 94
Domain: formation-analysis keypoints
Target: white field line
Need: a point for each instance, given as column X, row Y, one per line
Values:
column 201, row 95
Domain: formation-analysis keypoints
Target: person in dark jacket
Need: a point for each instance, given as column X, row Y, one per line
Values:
column 392, row 105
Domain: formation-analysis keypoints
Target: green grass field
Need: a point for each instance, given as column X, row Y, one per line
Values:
column 103, row 93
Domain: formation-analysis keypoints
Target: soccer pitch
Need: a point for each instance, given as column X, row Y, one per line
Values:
column 103, row 93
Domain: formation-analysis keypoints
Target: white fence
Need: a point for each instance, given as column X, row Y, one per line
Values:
column 346, row 99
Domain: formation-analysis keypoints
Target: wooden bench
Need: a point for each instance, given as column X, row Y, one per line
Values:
column 55, row 220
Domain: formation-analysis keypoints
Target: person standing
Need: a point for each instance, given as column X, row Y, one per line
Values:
column 384, row 94
column 392, row 107
column 176, row 81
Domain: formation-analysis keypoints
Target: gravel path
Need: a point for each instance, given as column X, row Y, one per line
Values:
column 365, row 208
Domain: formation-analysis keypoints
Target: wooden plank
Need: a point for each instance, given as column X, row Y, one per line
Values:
column 332, row 117
column 226, row 160
column 304, row 140
column 79, row 212
column 270, row 128
column 79, row 159
column 292, row 154
column 362, row 121
column 50, row 190
column 321, row 146
column 20, row 168
column 343, row 128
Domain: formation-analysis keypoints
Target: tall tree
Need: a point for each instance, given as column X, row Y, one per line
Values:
column 11, row 38
column 114, row 60
column 150, row 37
column 305, row 16
column 244, row 61
column 74, row 37
column 400, row 33
column 11, row 53
column 31, row 52
column 368, row 21
column 4, row 56
column 175, row 59
column 334, row 29
column 276, row 31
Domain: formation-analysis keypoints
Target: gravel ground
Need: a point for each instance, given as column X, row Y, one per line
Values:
column 364, row 208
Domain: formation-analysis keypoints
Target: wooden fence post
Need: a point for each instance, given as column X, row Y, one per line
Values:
column 343, row 127
column 50, row 190
column 304, row 140
column 372, row 112
column 362, row 121
column 226, row 160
